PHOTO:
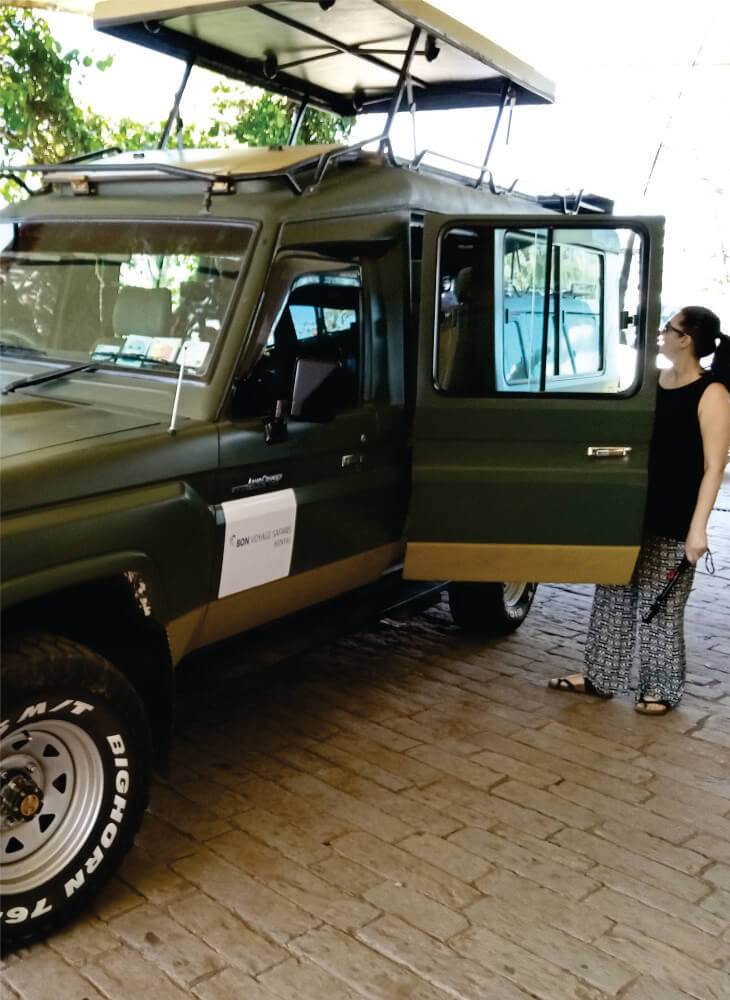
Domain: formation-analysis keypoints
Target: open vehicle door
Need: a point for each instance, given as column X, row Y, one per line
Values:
column 535, row 397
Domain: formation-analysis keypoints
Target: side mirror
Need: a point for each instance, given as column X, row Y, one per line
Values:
column 317, row 390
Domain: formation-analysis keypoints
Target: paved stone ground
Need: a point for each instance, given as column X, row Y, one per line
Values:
column 409, row 813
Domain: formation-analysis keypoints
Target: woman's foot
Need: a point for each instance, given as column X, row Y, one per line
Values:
column 646, row 705
column 577, row 684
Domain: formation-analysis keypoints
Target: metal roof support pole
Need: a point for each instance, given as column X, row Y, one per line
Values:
column 162, row 144
column 297, row 123
column 506, row 94
column 400, row 86
column 412, row 109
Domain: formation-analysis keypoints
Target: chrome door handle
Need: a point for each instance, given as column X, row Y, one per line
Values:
column 604, row 451
column 356, row 459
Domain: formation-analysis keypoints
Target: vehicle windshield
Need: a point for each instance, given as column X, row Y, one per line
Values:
column 144, row 295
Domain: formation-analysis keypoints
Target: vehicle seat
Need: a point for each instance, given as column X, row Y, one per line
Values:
column 144, row 312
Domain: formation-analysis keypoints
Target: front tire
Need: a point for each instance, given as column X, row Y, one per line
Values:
column 74, row 780
column 491, row 609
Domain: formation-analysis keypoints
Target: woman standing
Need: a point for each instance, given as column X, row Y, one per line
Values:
column 687, row 458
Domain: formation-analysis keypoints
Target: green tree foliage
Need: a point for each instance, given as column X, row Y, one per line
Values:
column 128, row 134
column 38, row 115
column 267, row 120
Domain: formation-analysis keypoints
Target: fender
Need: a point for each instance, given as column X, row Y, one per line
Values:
column 49, row 581
column 163, row 533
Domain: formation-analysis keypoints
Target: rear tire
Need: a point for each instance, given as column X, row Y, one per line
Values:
column 74, row 780
column 490, row 609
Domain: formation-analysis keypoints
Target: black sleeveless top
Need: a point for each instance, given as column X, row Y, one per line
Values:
column 676, row 461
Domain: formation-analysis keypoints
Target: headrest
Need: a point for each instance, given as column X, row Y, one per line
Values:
column 193, row 292
column 142, row 311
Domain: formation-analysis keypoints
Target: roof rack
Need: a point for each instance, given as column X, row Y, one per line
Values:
column 151, row 165
column 314, row 161
column 94, row 154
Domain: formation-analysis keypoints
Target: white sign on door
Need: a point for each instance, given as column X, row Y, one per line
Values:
column 259, row 540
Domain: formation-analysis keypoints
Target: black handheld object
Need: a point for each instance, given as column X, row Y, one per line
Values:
column 666, row 590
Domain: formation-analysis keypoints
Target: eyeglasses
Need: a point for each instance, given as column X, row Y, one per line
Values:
column 674, row 329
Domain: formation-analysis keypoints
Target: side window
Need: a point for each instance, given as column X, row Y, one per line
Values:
column 547, row 309
column 312, row 359
column 581, row 317
column 304, row 319
column 325, row 312
column 525, row 268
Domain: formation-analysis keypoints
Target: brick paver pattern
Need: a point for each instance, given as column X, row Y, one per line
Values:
column 408, row 812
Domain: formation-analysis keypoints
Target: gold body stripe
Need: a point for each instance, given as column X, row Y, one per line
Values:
column 541, row 563
column 181, row 633
column 259, row 605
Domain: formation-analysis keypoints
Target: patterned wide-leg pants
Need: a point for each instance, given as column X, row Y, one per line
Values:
column 615, row 618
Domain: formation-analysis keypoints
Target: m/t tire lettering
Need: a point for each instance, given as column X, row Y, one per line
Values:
column 79, row 707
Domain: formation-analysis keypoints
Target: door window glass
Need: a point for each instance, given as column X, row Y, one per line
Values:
column 525, row 260
column 312, row 358
column 546, row 309
column 324, row 308
column 304, row 319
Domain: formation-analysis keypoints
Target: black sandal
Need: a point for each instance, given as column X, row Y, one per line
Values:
column 565, row 684
column 651, row 706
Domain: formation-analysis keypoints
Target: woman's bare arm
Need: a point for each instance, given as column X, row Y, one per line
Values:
column 714, row 416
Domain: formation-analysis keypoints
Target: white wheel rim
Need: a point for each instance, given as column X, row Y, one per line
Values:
column 64, row 762
column 513, row 593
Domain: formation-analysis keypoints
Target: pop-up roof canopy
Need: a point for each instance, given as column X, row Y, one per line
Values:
column 344, row 56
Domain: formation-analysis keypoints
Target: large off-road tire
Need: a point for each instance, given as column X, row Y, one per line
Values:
column 74, row 779
column 490, row 608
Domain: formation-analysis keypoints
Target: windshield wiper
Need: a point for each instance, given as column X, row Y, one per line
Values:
column 22, row 383
column 27, row 350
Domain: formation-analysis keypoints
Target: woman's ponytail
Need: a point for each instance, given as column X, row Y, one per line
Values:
column 703, row 326
column 720, row 368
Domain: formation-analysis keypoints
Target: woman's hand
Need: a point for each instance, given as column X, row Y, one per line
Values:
column 695, row 545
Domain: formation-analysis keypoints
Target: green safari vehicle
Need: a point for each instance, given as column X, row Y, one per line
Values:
column 239, row 383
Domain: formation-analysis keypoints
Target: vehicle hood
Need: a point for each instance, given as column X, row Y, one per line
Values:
column 56, row 451
column 30, row 423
